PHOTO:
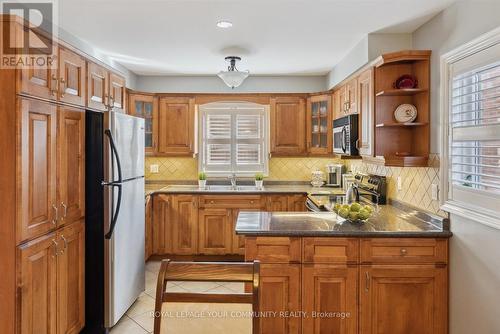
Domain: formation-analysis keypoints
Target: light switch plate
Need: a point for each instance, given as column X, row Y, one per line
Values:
column 434, row 191
column 154, row 169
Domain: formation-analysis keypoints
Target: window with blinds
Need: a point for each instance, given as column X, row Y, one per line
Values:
column 234, row 138
column 474, row 128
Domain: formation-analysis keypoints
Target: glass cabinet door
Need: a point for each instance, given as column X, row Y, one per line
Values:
column 319, row 127
column 144, row 106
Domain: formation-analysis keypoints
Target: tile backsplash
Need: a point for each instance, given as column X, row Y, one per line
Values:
column 416, row 181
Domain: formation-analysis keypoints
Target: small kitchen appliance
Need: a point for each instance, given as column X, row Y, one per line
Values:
column 345, row 135
column 334, row 174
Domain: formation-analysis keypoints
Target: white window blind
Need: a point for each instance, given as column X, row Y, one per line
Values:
column 234, row 138
column 474, row 129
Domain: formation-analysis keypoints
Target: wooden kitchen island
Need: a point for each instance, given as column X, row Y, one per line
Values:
column 321, row 274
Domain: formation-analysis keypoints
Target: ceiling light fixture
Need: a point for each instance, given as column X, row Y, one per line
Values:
column 224, row 24
column 232, row 77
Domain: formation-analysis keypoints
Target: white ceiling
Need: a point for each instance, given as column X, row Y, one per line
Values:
column 274, row 37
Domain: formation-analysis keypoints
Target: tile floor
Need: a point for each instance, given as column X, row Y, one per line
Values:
column 184, row 317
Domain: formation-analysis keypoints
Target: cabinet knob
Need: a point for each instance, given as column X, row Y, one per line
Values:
column 212, row 202
column 251, row 202
column 403, row 251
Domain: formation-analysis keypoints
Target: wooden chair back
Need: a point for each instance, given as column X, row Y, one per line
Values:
column 245, row 272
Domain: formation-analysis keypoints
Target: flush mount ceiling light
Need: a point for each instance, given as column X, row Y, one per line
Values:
column 224, row 24
column 232, row 77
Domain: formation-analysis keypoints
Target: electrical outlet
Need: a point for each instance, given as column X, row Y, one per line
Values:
column 400, row 184
column 154, row 169
column 434, row 191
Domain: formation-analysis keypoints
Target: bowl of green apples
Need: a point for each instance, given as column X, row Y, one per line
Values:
column 355, row 212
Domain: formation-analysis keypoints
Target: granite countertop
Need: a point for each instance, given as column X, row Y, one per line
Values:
column 391, row 220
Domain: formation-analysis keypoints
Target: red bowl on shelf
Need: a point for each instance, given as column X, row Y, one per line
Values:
column 406, row 81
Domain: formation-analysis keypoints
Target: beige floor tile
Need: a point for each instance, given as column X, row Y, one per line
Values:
column 145, row 320
column 235, row 286
column 143, row 304
column 127, row 326
column 220, row 289
column 198, row 286
column 153, row 266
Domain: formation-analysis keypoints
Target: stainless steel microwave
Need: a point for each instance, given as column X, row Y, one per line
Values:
column 345, row 135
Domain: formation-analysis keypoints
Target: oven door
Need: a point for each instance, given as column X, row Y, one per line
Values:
column 340, row 140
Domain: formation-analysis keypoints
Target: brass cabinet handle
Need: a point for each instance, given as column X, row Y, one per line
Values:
column 65, row 244
column 403, row 251
column 65, row 209
column 63, row 90
column 367, row 281
column 55, row 248
column 56, row 218
column 52, row 90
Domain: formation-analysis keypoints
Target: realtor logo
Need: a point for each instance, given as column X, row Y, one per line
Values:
column 28, row 34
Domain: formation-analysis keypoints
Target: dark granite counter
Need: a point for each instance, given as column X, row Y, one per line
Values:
column 389, row 221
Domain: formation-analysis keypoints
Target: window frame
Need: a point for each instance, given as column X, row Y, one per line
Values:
column 201, row 137
column 470, row 209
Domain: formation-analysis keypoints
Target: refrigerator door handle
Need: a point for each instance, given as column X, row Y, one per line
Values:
column 114, row 215
column 107, row 132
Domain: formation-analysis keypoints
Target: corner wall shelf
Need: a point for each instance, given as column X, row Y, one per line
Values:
column 386, row 125
column 401, row 92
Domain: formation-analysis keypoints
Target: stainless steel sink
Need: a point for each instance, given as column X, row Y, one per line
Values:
column 249, row 188
column 230, row 188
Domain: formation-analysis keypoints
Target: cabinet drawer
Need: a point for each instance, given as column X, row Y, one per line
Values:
column 410, row 250
column 273, row 249
column 330, row 250
column 229, row 201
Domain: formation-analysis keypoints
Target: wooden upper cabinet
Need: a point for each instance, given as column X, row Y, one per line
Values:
column 116, row 92
column 176, row 126
column 37, row 286
column 352, row 96
column 327, row 289
column 184, row 219
column 215, row 231
column 366, row 112
column 403, row 299
column 37, row 168
column 39, row 82
column 71, row 164
column 288, row 126
column 71, row 278
column 71, row 78
column 146, row 106
column 319, row 125
column 97, row 87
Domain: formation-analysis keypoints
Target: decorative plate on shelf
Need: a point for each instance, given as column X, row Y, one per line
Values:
column 406, row 81
column 405, row 113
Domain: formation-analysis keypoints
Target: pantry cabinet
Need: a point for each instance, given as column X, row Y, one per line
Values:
column 288, row 126
column 176, row 126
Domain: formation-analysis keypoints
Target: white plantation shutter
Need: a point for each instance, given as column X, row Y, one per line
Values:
column 474, row 130
column 234, row 138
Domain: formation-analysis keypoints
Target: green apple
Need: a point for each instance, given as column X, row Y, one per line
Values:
column 364, row 214
column 337, row 207
column 353, row 215
column 368, row 208
column 343, row 212
column 355, row 207
column 347, row 207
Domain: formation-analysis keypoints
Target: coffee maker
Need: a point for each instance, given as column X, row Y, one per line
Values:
column 334, row 175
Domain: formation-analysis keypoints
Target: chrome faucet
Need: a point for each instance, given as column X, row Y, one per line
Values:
column 233, row 181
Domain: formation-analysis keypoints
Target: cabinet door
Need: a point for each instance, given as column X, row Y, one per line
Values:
column 71, row 279
column 98, row 87
column 39, row 82
column 162, row 242
column 319, row 125
column 37, row 290
column 238, row 244
column 403, row 299
column 343, row 101
column 215, row 231
column 330, row 292
column 148, row 230
column 71, row 77
column 38, row 214
column 276, row 203
column 117, row 92
column 288, row 126
column 365, row 109
column 146, row 106
column 279, row 291
column 71, row 164
column 296, row 203
column 176, row 126
column 185, row 224
column 352, row 96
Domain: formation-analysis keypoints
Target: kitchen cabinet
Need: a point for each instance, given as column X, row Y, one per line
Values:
column 330, row 292
column 71, row 279
column 215, row 231
column 70, row 164
column 176, row 126
column 38, row 169
column 319, row 125
column 238, row 243
column 97, row 87
column 116, row 92
column 161, row 238
column 296, row 202
column 148, row 228
column 366, row 112
column 288, row 126
column 346, row 98
column 37, row 285
column 71, row 78
column 279, row 291
column 184, row 219
column 275, row 203
column 146, row 106
column 403, row 299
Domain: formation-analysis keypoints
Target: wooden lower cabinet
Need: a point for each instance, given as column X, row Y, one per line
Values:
column 215, row 231
column 403, row 299
column 50, row 276
column 296, row 203
column 276, row 203
column 161, row 226
column 279, row 295
column 184, row 221
column 329, row 298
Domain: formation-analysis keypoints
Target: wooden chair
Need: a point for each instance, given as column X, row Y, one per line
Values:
column 246, row 272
